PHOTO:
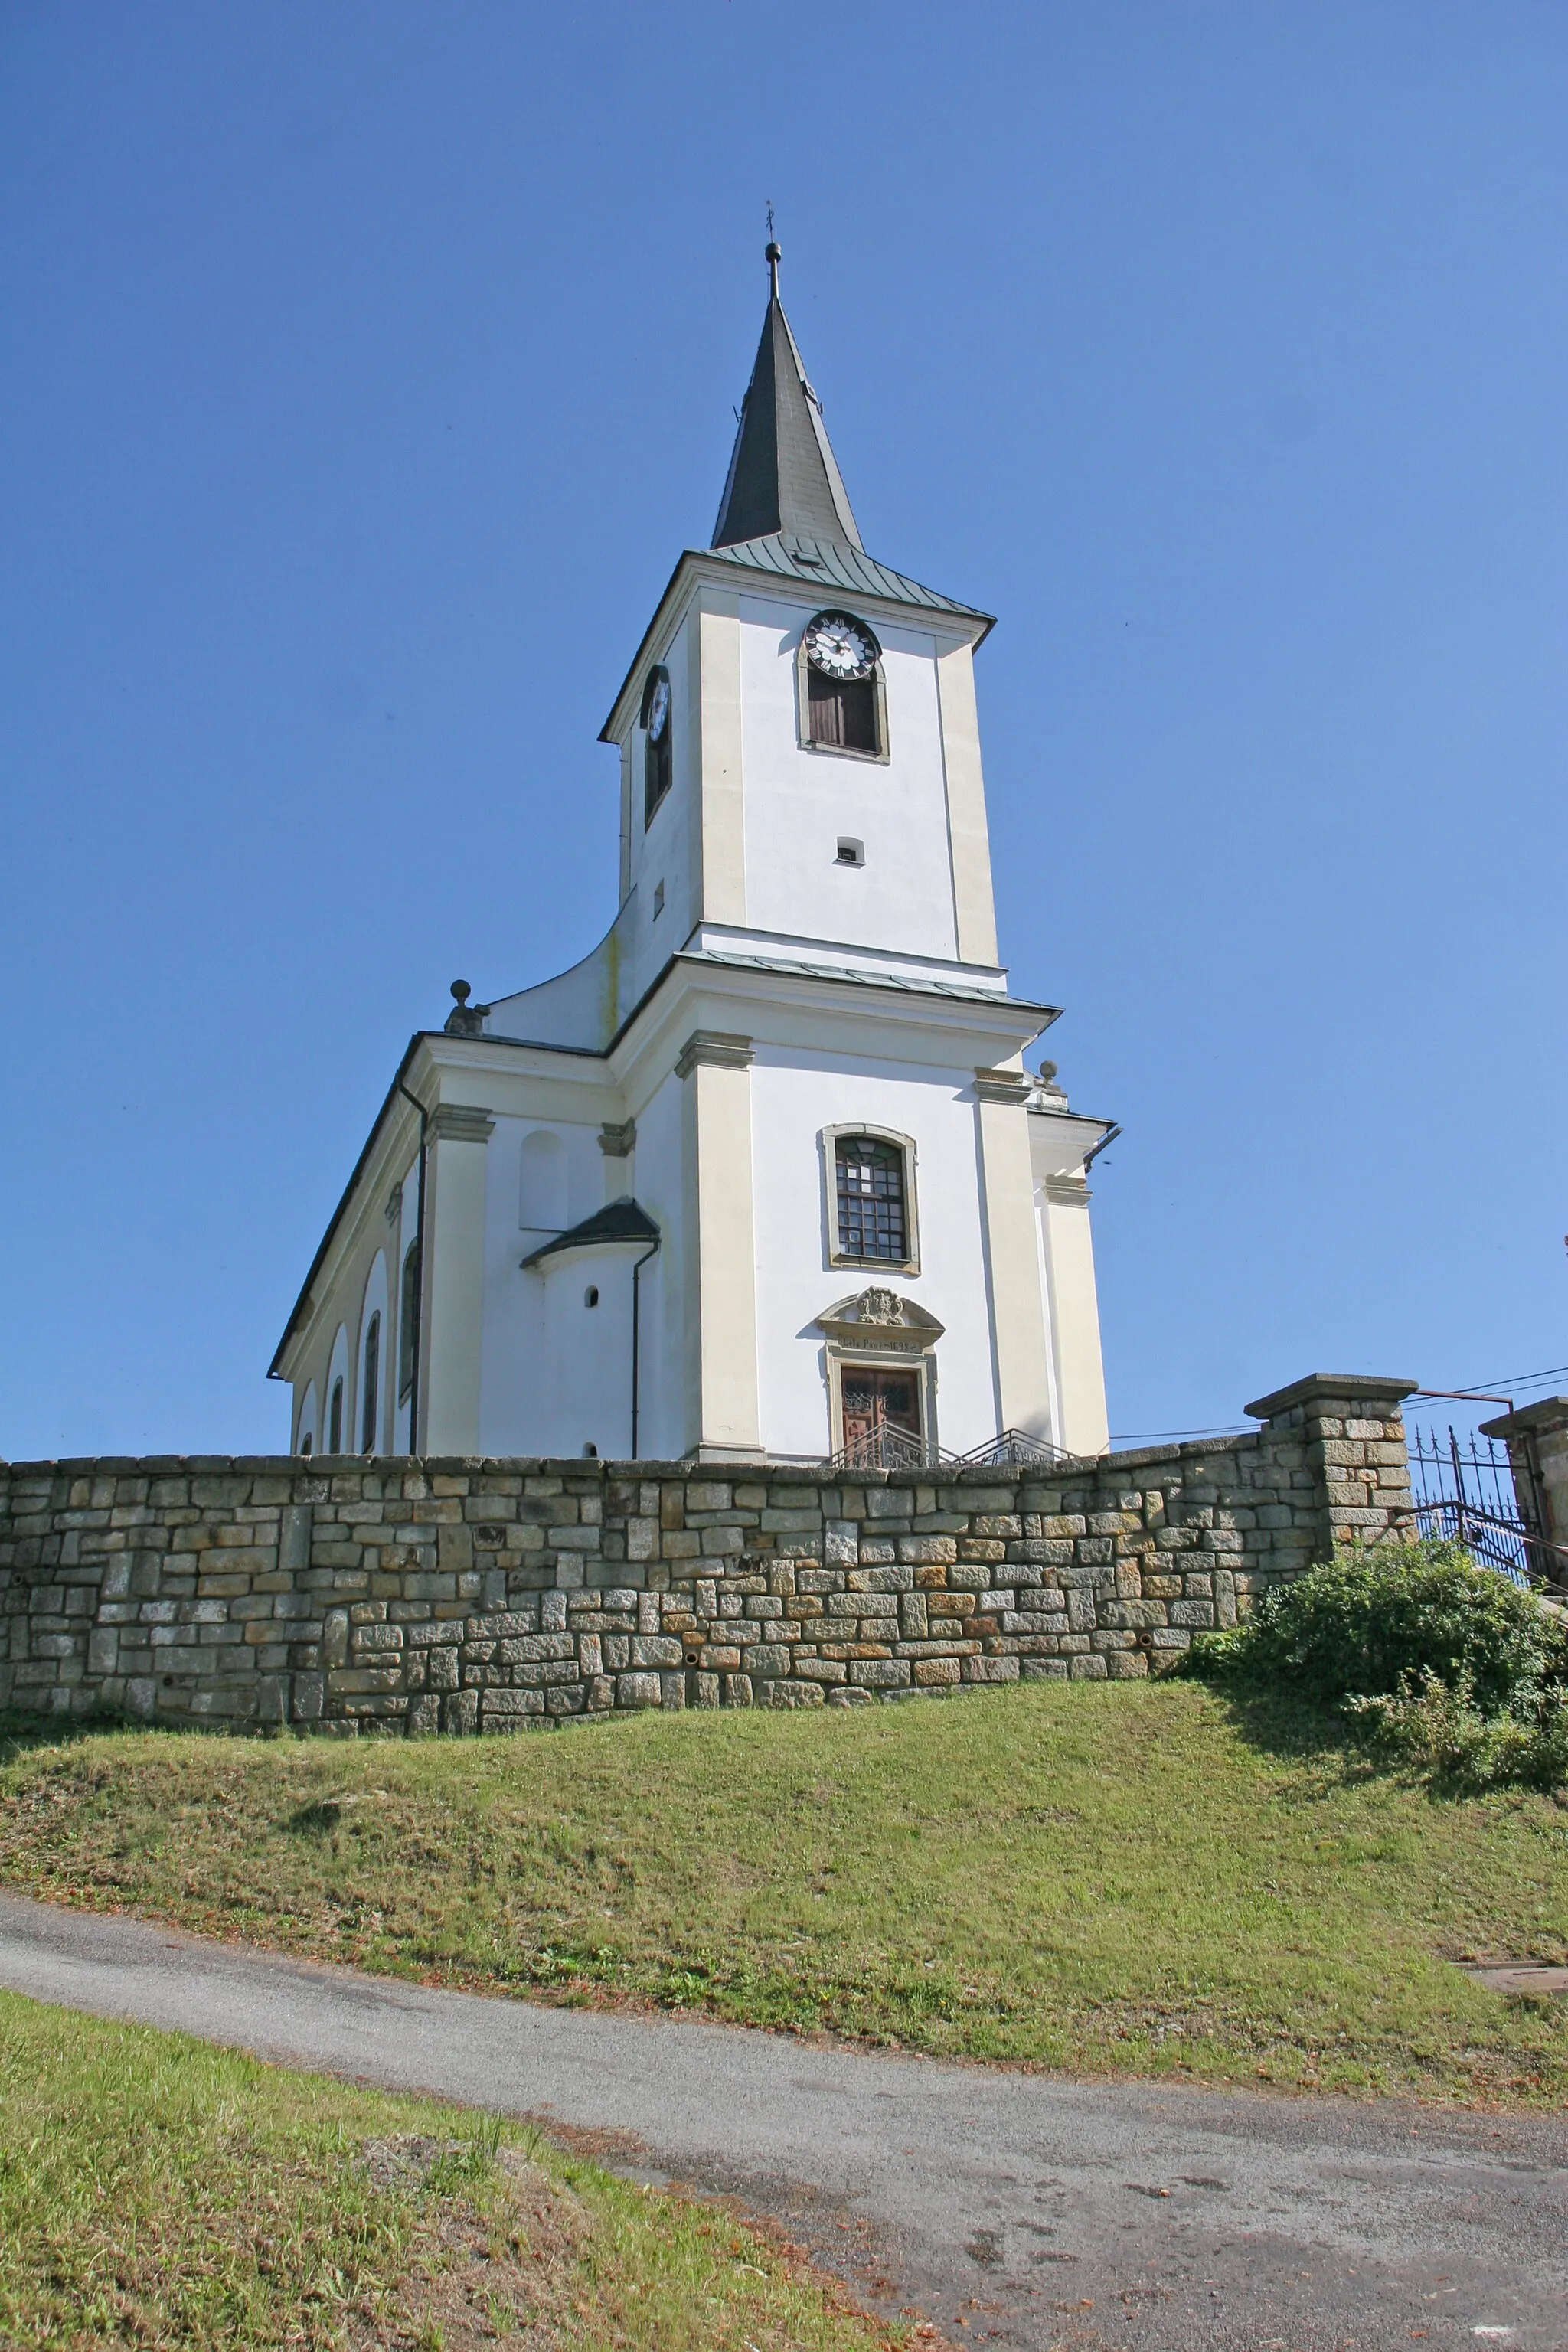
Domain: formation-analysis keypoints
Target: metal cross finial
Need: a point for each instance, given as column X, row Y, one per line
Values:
column 773, row 255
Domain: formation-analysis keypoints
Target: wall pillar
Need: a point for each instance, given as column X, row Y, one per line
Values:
column 455, row 1278
column 1348, row 1431
column 723, row 1412
column 1537, row 1441
column 1017, row 1304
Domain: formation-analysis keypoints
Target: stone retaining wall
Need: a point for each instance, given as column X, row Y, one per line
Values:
column 352, row 1594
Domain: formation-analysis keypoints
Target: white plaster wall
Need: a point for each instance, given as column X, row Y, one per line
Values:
column 585, row 1356
column 799, row 802
column 794, row 1097
column 661, row 852
column 516, row 1373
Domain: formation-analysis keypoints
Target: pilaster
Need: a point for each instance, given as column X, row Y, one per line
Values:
column 723, row 1414
column 455, row 1212
column 1012, row 1271
column 719, row 824
column 969, row 837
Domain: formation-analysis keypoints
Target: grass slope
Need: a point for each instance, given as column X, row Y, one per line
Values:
column 1134, row 1878
column 156, row 2192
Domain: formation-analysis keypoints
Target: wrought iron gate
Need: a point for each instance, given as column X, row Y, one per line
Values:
column 1464, row 1491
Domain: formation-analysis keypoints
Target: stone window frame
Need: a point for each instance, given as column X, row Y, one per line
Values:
column 828, row 1142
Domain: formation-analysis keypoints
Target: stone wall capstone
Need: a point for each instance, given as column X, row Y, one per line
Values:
column 350, row 1594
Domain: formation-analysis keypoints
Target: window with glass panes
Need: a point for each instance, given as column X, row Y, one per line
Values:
column 872, row 1222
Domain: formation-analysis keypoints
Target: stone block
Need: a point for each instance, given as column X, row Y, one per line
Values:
column 737, row 1690
column 1089, row 1669
column 791, row 1693
column 1192, row 1612
column 634, row 1690
column 370, row 1638
column 989, row 1670
column 708, row 1495
column 657, row 1650
column 933, row 1673
column 879, row 1674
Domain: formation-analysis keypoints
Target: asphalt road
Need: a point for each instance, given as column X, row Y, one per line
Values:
column 1018, row 2209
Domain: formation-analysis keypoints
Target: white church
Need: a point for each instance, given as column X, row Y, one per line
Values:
column 764, row 1178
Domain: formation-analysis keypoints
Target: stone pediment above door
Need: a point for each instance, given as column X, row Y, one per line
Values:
column 876, row 1318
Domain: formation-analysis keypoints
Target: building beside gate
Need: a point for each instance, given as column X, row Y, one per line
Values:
column 764, row 1176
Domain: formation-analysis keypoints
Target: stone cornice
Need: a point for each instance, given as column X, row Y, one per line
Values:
column 462, row 1123
column 1003, row 1087
column 713, row 1049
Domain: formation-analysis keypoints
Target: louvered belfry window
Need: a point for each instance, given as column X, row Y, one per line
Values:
column 872, row 1223
column 658, row 767
column 842, row 712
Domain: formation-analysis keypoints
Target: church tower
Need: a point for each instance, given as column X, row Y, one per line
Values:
column 763, row 1177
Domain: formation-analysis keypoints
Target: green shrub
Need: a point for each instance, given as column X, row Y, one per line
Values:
column 1371, row 1623
column 1445, row 1665
column 1441, row 1732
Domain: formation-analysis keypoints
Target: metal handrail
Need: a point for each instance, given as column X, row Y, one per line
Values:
column 891, row 1446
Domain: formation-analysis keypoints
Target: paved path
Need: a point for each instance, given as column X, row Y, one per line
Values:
column 1025, row 2208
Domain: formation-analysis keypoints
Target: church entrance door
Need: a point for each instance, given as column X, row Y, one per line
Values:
column 881, row 1416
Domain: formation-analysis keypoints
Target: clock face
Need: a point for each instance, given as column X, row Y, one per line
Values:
column 657, row 708
column 840, row 648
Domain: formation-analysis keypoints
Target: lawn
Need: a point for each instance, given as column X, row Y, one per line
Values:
column 1136, row 1878
column 156, row 2192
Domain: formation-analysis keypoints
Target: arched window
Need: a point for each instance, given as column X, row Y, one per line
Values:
column 842, row 703
column 335, row 1418
column 408, row 1322
column 657, row 768
column 873, row 1220
column 370, row 1385
column 307, row 1443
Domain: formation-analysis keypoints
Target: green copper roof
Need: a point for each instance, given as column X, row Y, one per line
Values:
column 834, row 564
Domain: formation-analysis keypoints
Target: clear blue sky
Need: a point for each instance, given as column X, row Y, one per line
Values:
column 366, row 368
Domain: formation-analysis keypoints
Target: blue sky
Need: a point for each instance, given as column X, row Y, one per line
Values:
column 366, row 369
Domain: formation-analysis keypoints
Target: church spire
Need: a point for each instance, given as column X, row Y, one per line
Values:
column 783, row 473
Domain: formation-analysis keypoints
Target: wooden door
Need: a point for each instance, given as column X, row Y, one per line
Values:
column 876, row 1399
